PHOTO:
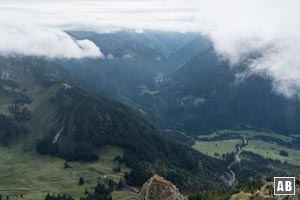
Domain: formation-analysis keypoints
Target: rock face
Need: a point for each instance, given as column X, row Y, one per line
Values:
column 157, row 188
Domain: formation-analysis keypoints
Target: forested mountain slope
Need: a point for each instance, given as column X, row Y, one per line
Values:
column 206, row 95
column 49, row 111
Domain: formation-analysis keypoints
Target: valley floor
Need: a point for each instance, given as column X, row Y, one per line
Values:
column 261, row 143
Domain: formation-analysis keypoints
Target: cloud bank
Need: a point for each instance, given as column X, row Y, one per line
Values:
column 269, row 27
column 37, row 27
column 33, row 40
column 23, row 36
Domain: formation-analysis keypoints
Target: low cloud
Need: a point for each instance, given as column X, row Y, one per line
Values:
column 30, row 39
column 33, row 27
column 270, row 28
column 127, row 56
column 110, row 57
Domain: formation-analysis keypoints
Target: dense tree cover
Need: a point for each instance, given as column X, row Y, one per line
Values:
column 137, row 176
column 18, row 109
column 213, row 194
column 202, row 196
column 116, row 169
column 58, row 197
column 19, row 113
column 251, row 186
column 101, row 192
column 92, row 122
column 256, row 166
column 9, row 130
column 81, row 181
column 294, row 144
column 229, row 103
column 21, row 99
column 284, row 153
column 67, row 166
column 180, row 137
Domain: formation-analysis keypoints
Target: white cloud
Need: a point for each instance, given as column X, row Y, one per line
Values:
column 127, row 56
column 271, row 27
column 139, row 31
column 32, row 27
column 110, row 57
column 25, row 37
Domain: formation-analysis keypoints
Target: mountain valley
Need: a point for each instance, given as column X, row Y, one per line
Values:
column 151, row 106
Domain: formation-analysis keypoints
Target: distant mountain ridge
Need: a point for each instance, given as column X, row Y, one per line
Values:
column 189, row 88
column 134, row 80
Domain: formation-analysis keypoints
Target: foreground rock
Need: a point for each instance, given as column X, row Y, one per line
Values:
column 157, row 188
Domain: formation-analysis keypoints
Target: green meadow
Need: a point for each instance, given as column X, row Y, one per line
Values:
column 33, row 176
column 269, row 150
column 249, row 134
column 220, row 147
column 263, row 148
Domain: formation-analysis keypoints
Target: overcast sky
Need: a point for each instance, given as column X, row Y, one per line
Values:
column 236, row 27
column 105, row 15
column 36, row 27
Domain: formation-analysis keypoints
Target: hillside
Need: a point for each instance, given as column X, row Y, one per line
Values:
column 188, row 51
column 62, row 119
column 32, row 176
column 135, row 62
column 205, row 95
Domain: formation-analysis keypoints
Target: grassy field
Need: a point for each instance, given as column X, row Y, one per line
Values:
column 34, row 176
column 124, row 195
column 249, row 134
column 269, row 150
column 260, row 147
column 220, row 147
